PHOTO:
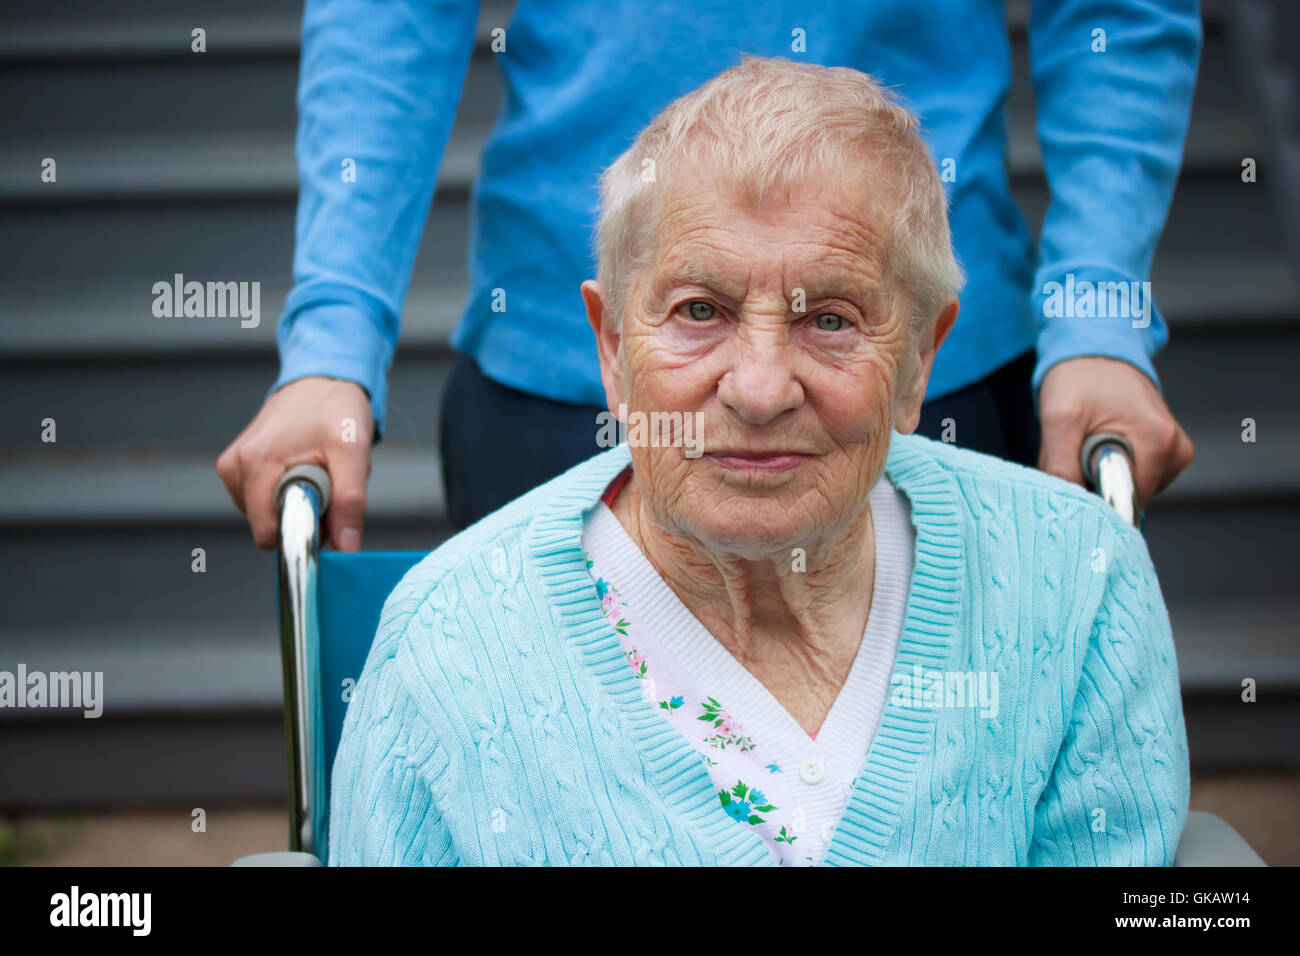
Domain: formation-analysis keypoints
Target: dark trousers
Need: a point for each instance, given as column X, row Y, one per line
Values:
column 498, row 442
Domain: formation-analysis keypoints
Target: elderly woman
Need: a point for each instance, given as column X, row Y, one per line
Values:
column 772, row 627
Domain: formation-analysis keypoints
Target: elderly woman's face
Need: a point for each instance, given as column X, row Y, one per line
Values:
column 795, row 406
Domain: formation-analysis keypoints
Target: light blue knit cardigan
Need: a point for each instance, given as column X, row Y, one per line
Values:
column 497, row 721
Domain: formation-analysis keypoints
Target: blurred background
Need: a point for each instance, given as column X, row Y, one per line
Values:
column 170, row 161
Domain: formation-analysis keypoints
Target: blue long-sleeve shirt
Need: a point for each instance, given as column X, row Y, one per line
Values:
column 380, row 82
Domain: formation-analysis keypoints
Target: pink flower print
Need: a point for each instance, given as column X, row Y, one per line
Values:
column 726, row 729
column 611, row 608
column 636, row 661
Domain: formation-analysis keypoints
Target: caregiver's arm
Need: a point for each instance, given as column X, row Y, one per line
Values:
column 1114, row 82
column 1118, row 792
column 377, row 94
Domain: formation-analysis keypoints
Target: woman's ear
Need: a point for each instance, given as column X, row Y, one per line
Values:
column 907, row 407
column 607, row 343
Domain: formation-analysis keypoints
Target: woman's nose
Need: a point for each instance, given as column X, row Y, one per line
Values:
column 760, row 383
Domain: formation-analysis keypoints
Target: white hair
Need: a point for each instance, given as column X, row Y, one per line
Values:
column 774, row 123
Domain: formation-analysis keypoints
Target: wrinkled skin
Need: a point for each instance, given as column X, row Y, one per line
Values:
column 710, row 328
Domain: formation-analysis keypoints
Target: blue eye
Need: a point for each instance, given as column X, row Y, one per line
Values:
column 830, row 322
column 701, row 311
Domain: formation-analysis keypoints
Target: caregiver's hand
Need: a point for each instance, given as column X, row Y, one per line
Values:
column 1092, row 394
column 304, row 422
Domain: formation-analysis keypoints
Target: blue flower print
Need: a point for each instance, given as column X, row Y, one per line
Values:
column 738, row 810
column 744, row 804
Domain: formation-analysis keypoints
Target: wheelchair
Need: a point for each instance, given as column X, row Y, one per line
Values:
column 330, row 603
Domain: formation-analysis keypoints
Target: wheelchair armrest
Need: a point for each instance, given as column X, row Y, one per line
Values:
column 1209, row 841
column 278, row 859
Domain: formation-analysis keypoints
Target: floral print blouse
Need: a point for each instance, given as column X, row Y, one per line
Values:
column 769, row 773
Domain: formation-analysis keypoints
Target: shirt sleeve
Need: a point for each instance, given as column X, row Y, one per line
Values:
column 377, row 94
column 383, row 809
column 1114, row 83
column 1118, row 793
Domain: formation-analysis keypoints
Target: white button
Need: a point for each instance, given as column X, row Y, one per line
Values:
column 827, row 830
column 812, row 771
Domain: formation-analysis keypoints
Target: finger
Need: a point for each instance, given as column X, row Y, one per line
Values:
column 346, row 517
column 259, row 496
column 1184, row 452
column 1146, row 476
column 1154, row 455
column 231, row 473
column 1059, row 455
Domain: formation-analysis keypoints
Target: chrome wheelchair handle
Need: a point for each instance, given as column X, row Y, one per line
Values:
column 301, row 497
column 314, row 474
column 1107, row 463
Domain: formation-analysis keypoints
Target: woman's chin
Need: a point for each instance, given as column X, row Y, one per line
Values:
column 747, row 528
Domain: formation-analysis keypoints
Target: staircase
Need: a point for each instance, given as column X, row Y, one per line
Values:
column 170, row 161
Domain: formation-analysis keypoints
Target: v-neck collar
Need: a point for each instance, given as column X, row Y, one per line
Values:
column 781, row 738
column 875, row 803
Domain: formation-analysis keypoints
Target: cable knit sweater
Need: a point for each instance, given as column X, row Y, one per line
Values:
column 497, row 722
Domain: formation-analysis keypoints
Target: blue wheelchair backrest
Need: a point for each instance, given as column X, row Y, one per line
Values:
column 349, row 599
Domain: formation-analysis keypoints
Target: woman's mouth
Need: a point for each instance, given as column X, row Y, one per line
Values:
column 757, row 462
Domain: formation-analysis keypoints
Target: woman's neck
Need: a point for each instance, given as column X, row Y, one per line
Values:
column 794, row 621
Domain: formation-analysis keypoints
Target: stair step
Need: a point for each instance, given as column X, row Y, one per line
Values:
column 1225, row 466
column 204, row 667
column 195, row 99
column 129, row 247
column 151, row 488
column 1219, row 643
column 145, row 170
column 116, row 406
column 116, row 320
column 144, row 576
